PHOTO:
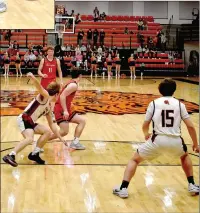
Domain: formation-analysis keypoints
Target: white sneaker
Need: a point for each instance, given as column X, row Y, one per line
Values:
column 123, row 193
column 77, row 146
column 3, row 6
column 193, row 188
column 41, row 150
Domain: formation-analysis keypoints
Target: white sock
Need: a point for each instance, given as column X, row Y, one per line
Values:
column 36, row 150
column 76, row 140
column 13, row 153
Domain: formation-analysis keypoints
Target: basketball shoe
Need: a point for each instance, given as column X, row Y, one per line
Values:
column 123, row 193
column 36, row 158
column 3, row 6
column 10, row 159
column 75, row 144
column 193, row 188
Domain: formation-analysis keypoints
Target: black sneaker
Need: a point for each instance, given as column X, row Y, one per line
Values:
column 10, row 159
column 36, row 158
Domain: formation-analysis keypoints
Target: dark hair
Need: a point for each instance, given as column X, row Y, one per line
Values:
column 53, row 88
column 167, row 87
column 75, row 72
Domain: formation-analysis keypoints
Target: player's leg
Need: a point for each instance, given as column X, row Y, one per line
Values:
column 45, row 134
column 80, row 121
column 64, row 129
column 28, row 135
column 187, row 168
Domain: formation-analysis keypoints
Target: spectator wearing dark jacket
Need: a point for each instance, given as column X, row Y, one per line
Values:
column 80, row 37
column 89, row 36
column 95, row 37
column 101, row 37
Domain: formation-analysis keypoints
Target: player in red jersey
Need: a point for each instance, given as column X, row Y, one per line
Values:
column 47, row 68
column 64, row 112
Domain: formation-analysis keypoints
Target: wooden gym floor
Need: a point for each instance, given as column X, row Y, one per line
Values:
column 82, row 181
column 28, row 14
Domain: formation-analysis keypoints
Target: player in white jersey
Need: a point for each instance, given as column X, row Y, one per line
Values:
column 27, row 122
column 166, row 114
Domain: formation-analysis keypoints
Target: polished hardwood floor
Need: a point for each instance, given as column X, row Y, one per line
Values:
column 82, row 181
column 28, row 14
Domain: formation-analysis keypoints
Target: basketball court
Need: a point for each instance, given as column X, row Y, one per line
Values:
column 82, row 181
column 28, row 14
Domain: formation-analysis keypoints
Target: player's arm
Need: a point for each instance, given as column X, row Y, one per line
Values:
column 40, row 68
column 53, row 127
column 67, row 91
column 36, row 83
column 192, row 132
column 148, row 117
column 59, row 71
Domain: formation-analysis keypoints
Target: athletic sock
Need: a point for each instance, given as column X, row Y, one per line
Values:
column 190, row 179
column 36, row 150
column 13, row 153
column 124, row 184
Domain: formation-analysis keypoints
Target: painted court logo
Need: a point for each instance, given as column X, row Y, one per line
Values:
column 93, row 101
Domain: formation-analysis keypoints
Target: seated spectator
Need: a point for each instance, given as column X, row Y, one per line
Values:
column 16, row 46
column 78, row 18
column 126, row 30
column 68, row 47
column 100, row 50
column 139, row 50
column 171, row 58
column 77, row 50
column 26, row 58
column 163, row 42
column 8, row 35
column 150, row 43
column 83, row 48
column 140, row 24
column 32, row 57
column 40, row 56
column 102, row 16
column 96, row 14
column 94, row 48
column 145, row 27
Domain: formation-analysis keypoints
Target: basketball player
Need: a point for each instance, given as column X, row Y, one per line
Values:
column 27, row 122
column 3, row 6
column 64, row 113
column 47, row 68
column 166, row 114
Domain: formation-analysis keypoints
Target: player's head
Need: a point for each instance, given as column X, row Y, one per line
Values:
column 167, row 87
column 75, row 73
column 53, row 89
column 50, row 51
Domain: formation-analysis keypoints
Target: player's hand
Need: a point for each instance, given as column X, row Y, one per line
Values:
column 30, row 75
column 44, row 76
column 195, row 148
column 147, row 136
column 61, row 85
column 65, row 115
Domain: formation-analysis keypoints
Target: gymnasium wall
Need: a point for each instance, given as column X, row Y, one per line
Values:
column 160, row 10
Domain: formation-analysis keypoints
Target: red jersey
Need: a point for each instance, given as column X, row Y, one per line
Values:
column 50, row 68
column 58, row 110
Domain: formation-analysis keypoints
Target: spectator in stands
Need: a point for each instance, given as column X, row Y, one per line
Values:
column 8, row 35
column 101, row 37
column 30, row 47
column 72, row 13
column 95, row 37
column 16, row 46
column 72, row 47
column 158, row 45
column 171, row 57
column 40, row 56
column 80, row 37
column 68, row 48
column 83, row 48
column 100, row 50
column 89, row 37
column 139, row 50
column 102, row 16
column 126, row 30
column 150, row 43
column 96, row 14
column 77, row 50
column 79, row 59
column 145, row 26
column 94, row 49
column 32, row 57
column 140, row 24
column 163, row 42
column 78, row 18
